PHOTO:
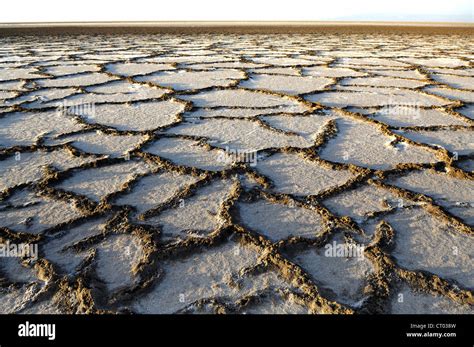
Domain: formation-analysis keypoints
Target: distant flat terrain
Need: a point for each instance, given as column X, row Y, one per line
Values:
column 235, row 27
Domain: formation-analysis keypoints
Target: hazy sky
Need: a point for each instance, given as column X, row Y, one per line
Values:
column 165, row 10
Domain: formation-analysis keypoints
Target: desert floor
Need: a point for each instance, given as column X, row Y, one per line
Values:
column 223, row 173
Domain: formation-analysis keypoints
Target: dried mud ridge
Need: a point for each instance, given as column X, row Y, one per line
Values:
column 197, row 247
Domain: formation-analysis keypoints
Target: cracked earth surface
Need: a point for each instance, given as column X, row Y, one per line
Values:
column 117, row 160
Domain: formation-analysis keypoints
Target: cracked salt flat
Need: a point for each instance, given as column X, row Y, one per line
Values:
column 371, row 62
column 7, row 95
column 382, row 82
column 453, row 193
column 342, row 278
column 455, row 81
column 288, row 71
column 436, row 62
column 226, row 65
column 29, row 166
column 135, row 117
column 467, row 165
column 9, row 74
column 154, row 190
column 362, row 202
column 97, row 183
column 126, row 87
column 467, row 111
column 323, row 71
column 70, row 69
column 292, row 174
column 98, row 142
column 408, row 116
column 276, row 304
column 364, row 145
column 183, row 80
column 238, row 134
column 460, row 141
column 186, row 59
column 283, row 61
column 134, row 69
column 16, row 129
column 415, row 302
column 41, row 98
column 15, row 271
column 111, row 56
column 424, row 242
column 59, row 248
column 80, row 80
column 452, row 94
column 16, row 300
column 239, row 98
column 190, row 153
column 204, row 282
column 456, row 72
column 372, row 96
column 409, row 74
column 117, row 258
column 243, row 112
column 201, row 210
column 35, row 214
column 308, row 127
column 12, row 85
column 292, row 85
column 146, row 189
column 279, row 221
column 104, row 94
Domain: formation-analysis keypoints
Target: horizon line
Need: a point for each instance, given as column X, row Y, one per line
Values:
column 243, row 23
